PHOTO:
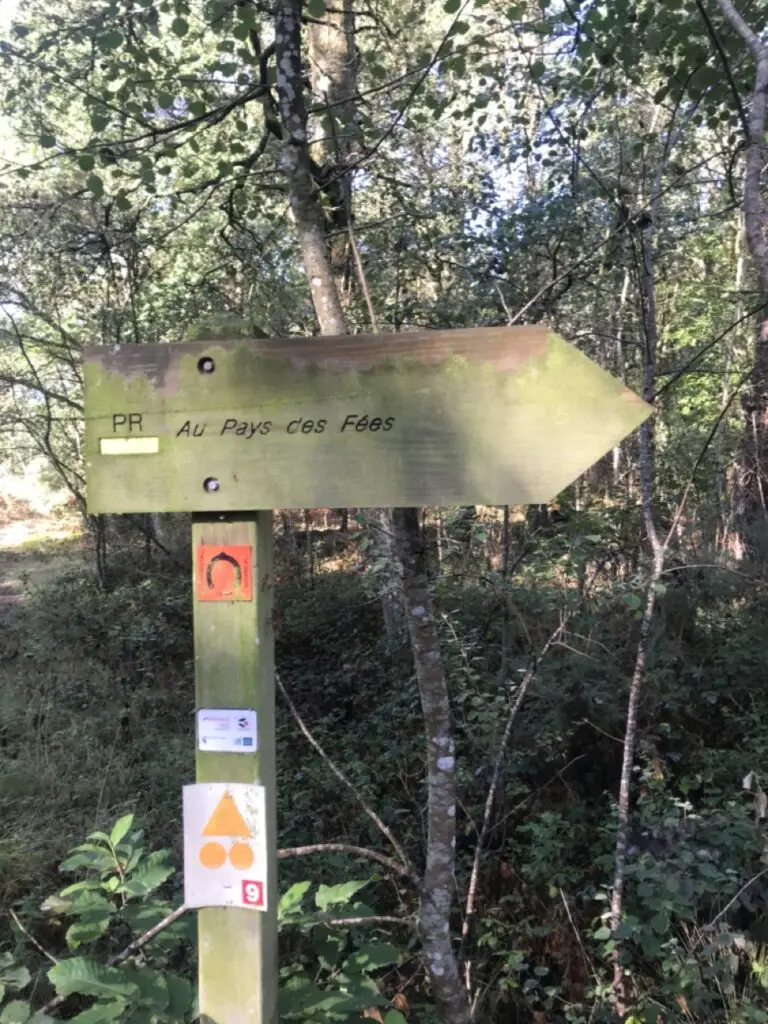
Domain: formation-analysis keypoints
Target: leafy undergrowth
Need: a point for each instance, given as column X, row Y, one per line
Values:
column 96, row 695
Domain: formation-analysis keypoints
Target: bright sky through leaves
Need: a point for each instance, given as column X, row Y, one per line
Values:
column 7, row 11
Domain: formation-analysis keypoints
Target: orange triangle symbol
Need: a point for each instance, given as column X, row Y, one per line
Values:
column 226, row 820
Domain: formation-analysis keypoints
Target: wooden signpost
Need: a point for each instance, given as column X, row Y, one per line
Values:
column 229, row 430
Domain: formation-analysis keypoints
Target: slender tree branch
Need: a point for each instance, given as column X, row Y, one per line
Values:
column 130, row 949
column 730, row 903
column 490, row 800
column 349, row 922
column 366, row 807
column 725, row 62
column 353, row 851
column 32, row 939
column 739, row 24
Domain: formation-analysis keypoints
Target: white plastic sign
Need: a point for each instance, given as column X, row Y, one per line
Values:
column 227, row 730
column 225, row 845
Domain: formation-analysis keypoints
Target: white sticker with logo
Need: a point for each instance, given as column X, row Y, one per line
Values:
column 227, row 730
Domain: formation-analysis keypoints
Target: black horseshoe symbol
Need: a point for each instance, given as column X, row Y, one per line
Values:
column 223, row 557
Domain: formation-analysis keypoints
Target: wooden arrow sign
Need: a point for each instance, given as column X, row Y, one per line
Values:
column 502, row 415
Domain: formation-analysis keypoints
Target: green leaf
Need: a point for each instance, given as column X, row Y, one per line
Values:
column 16, row 1012
column 101, row 1012
column 602, row 934
column 633, row 602
column 459, row 65
column 47, row 141
column 372, row 956
column 538, row 68
column 451, row 6
column 87, row 899
column 248, row 16
column 86, row 162
column 99, row 122
column 316, row 8
column 111, row 40
column 85, row 977
column 153, row 988
column 14, row 977
column 101, row 836
column 54, row 905
column 290, row 901
column 92, row 925
column 708, row 870
column 180, row 27
column 329, row 946
column 337, row 895
column 394, row 1017
column 660, row 923
column 179, row 997
column 149, row 875
column 91, row 885
column 122, row 203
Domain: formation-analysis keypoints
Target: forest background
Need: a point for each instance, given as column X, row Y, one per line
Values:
column 597, row 851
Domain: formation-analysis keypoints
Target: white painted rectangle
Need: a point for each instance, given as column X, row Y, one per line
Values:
column 227, row 730
column 129, row 445
column 225, row 845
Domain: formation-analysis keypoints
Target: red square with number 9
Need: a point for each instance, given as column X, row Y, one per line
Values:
column 253, row 894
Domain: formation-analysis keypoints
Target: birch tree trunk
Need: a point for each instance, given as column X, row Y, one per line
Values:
column 438, row 885
column 333, row 74
column 312, row 231
column 658, row 553
column 295, row 162
column 402, row 536
column 753, row 485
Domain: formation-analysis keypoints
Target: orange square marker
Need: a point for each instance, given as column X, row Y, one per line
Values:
column 224, row 572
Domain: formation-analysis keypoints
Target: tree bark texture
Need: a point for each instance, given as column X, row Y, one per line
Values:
column 646, row 460
column 753, row 496
column 295, row 160
column 438, row 884
column 333, row 70
column 401, row 537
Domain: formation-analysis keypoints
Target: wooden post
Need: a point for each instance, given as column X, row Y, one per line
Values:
column 234, row 668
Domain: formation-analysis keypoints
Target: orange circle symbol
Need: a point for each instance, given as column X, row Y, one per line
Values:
column 212, row 855
column 241, row 856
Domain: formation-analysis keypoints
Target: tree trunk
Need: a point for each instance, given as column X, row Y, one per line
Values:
column 648, row 290
column 389, row 582
column 753, row 484
column 438, row 885
column 333, row 69
column 295, row 162
column 410, row 578
column 311, row 228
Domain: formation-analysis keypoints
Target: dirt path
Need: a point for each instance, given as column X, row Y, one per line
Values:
column 33, row 551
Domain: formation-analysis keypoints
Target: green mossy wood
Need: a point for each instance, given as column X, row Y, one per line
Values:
column 234, row 668
column 500, row 415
